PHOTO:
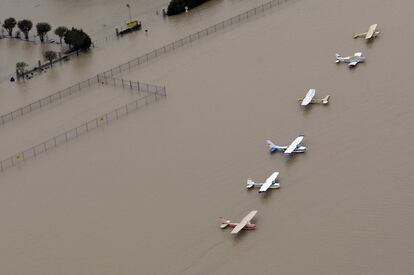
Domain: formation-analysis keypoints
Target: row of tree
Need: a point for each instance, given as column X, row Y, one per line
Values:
column 75, row 38
column 25, row 26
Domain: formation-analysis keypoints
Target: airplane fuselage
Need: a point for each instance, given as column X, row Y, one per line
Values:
column 249, row 226
column 299, row 149
column 350, row 59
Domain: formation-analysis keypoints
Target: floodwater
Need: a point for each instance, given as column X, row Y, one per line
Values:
column 144, row 195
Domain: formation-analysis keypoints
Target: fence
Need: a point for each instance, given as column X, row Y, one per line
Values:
column 133, row 85
column 107, row 77
column 139, row 60
column 100, row 78
column 82, row 129
column 193, row 37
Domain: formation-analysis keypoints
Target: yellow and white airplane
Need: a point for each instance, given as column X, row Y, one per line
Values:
column 371, row 33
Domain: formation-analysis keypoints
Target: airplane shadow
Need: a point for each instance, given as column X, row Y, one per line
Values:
column 371, row 42
column 307, row 110
column 242, row 234
column 290, row 160
column 267, row 195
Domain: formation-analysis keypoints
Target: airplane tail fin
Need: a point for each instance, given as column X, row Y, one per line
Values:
column 358, row 34
column 272, row 147
column 337, row 56
column 249, row 184
column 224, row 222
column 325, row 100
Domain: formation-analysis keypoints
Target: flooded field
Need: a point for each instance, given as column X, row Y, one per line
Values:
column 40, row 125
column 144, row 194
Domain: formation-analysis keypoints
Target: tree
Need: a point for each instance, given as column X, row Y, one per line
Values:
column 20, row 68
column 77, row 39
column 9, row 25
column 50, row 55
column 25, row 26
column 61, row 31
column 178, row 6
column 42, row 30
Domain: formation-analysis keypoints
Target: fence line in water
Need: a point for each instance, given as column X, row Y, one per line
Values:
column 107, row 77
column 193, row 37
column 137, row 61
column 100, row 78
column 100, row 121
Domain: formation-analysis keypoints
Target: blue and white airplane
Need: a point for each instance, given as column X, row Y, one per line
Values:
column 294, row 147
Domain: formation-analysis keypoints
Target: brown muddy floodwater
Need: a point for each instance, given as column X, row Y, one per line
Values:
column 143, row 195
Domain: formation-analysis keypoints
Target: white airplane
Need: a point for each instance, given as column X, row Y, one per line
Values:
column 371, row 33
column 244, row 224
column 269, row 183
column 309, row 99
column 351, row 60
column 294, row 147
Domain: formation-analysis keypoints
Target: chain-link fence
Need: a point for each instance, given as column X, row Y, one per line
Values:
column 193, row 37
column 137, row 61
column 84, row 128
column 100, row 78
column 107, row 77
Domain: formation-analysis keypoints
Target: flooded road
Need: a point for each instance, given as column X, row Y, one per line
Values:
column 144, row 194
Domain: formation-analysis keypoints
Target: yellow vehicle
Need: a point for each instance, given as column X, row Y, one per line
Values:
column 133, row 25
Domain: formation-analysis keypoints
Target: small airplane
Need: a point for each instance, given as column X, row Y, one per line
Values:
column 371, row 33
column 351, row 60
column 244, row 224
column 294, row 147
column 269, row 183
column 309, row 98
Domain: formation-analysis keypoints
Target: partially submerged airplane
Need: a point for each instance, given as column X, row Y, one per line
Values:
column 371, row 33
column 244, row 224
column 351, row 60
column 294, row 147
column 269, row 183
column 309, row 98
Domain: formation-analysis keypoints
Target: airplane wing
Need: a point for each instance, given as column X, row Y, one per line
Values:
column 308, row 97
column 268, row 182
column 371, row 31
column 294, row 144
column 359, row 54
column 353, row 63
column 244, row 222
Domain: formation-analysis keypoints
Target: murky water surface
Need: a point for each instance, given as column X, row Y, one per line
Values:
column 144, row 194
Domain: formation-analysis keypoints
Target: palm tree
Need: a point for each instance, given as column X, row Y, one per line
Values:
column 42, row 30
column 60, row 31
column 50, row 55
column 25, row 26
column 9, row 25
